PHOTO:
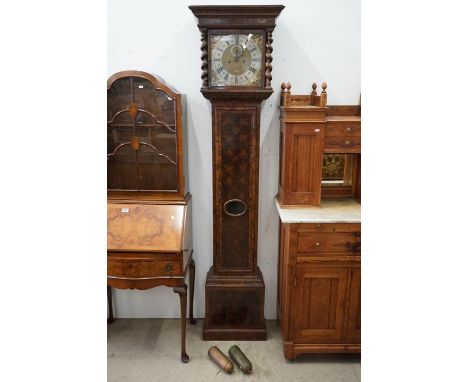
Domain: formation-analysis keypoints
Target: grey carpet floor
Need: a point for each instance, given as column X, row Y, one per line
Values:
column 144, row 350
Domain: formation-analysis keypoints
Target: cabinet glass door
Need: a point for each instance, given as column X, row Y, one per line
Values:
column 141, row 137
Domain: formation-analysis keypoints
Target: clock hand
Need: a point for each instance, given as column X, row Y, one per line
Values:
column 246, row 41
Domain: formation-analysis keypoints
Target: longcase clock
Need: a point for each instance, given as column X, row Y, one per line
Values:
column 236, row 78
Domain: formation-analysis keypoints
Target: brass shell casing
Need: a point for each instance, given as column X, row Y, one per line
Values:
column 240, row 359
column 218, row 357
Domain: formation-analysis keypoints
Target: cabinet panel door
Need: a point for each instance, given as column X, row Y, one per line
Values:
column 320, row 296
column 353, row 330
column 302, row 164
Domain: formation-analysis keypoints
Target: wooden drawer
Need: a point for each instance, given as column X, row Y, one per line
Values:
column 142, row 269
column 329, row 227
column 343, row 144
column 328, row 243
column 343, row 128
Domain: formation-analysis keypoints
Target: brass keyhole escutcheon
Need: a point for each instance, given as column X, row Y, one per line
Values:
column 169, row 268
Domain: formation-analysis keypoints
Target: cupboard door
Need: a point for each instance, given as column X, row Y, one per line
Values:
column 302, row 164
column 353, row 329
column 320, row 296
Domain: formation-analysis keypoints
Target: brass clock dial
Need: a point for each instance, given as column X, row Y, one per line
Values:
column 236, row 60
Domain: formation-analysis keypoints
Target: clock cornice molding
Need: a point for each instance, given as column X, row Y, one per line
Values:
column 236, row 16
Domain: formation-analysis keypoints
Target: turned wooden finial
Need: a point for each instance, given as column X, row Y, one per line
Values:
column 313, row 94
column 324, row 87
column 314, row 89
column 286, row 87
column 323, row 95
column 285, row 93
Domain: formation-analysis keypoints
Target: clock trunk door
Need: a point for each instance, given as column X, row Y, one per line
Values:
column 235, row 166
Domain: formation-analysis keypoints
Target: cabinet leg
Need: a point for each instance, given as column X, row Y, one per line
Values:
column 182, row 291
column 288, row 351
column 192, row 285
column 110, row 320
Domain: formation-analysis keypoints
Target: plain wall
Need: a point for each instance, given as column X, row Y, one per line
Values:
column 313, row 41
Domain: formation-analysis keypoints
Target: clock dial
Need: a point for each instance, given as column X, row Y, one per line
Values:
column 236, row 60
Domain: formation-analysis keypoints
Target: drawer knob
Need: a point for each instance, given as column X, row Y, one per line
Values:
column 348, row 129
column 347, row 143
column 169, row 268
column 317, row 244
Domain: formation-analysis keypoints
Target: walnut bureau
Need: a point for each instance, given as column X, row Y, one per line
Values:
column 149, row 221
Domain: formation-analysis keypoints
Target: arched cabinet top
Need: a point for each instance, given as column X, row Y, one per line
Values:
column 157, row 81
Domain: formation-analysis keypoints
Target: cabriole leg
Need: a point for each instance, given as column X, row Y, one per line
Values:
column 192, row 284
column 110, row 320
column 182, row 291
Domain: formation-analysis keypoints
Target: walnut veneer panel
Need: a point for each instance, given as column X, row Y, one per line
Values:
column 141, row 227
column 235, row 166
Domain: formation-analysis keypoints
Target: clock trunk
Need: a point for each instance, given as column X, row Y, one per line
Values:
column 234, row 289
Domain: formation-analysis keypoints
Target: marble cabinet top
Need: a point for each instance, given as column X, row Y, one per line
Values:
column 330, row 211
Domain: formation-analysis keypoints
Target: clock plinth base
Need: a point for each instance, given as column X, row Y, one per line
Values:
column 234, row 307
